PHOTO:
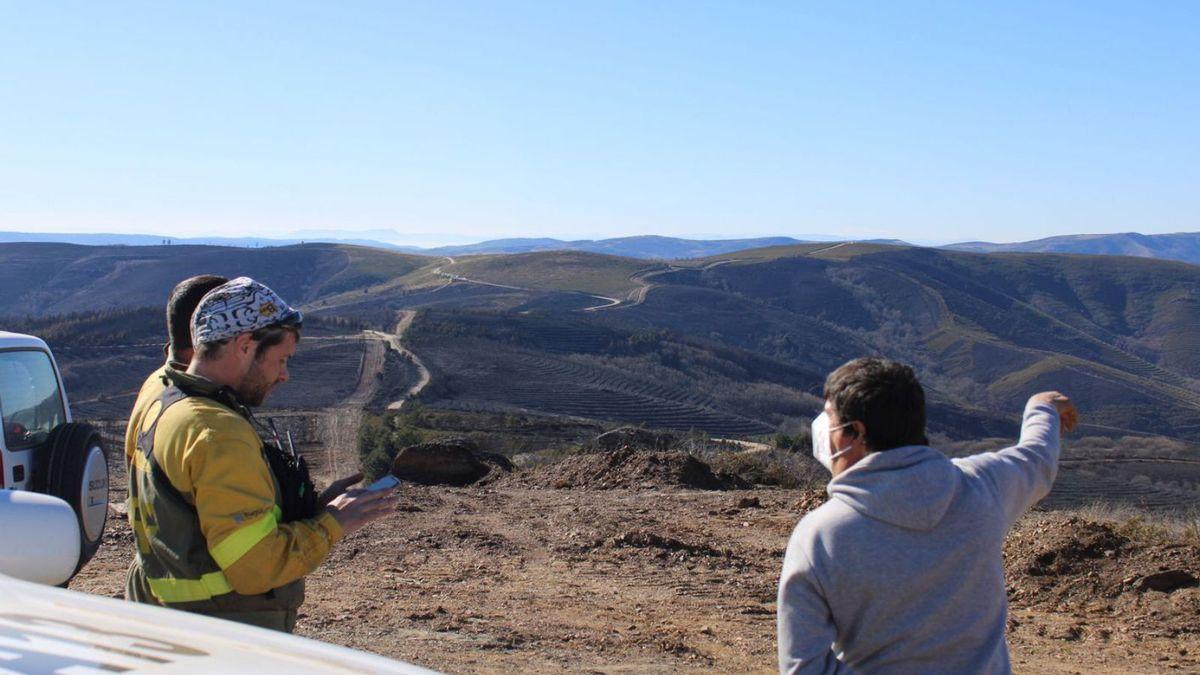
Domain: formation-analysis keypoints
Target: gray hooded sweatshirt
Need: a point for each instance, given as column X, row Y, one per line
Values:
column 901, row 570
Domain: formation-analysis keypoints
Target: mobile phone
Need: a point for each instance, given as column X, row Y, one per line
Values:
column 388, row 482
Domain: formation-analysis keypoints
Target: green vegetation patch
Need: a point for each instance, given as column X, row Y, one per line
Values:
column 555, row 271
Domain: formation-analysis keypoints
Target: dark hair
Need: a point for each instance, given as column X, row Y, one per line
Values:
column 265, row 337
column 885, row 396
column 182, row 304
column 272, row 335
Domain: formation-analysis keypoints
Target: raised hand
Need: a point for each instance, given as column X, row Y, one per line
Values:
column 1067, row 413
column 355, row 508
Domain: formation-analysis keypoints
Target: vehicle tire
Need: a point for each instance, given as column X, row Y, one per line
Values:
column 73, row 466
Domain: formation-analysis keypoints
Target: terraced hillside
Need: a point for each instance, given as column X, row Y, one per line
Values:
column 581, row 365
column 483, row 375
column 983, row 330
column 379, row 307
column 1152, row 484
column 323, row 373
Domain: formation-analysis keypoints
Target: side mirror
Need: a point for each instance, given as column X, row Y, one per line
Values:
column 39, row 537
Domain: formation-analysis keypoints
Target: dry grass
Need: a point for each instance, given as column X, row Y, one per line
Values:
column 1145, row 526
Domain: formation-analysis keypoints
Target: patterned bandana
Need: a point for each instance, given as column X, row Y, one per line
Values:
column 240, row 306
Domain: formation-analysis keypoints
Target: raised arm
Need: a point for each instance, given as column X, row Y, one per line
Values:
column 1023, row 474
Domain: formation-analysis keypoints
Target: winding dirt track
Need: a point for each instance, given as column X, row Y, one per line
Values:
column 635, row 297
column 830, row 248
column 638, row 295
column 394, row 341
column 371, row 367
column 340, row 424
column 607, row 302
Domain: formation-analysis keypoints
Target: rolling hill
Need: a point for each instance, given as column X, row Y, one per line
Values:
column 983, row 330
column 583, row 272
column 1183, row 246
column 649, row 246
column 734, row 344
column 41, row 278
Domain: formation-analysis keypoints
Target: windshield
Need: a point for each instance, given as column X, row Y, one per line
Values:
column 30, row 405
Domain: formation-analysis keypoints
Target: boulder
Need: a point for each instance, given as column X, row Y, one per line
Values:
column 452, row 461
column 1166, row 581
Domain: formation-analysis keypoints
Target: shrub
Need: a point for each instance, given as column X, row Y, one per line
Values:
column 797, row 442
column 380, row 438
column 376, row 464
column 1179, row 527
column 780, row 468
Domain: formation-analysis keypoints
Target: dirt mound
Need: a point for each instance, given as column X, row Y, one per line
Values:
column 1087, row 568
column 634, row 437
column 629, row 467
column 454, row 461
column 1072, row 549
column 664, row 544
column 810, row 499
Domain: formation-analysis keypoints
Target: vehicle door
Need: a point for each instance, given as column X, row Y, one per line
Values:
column 31, row 405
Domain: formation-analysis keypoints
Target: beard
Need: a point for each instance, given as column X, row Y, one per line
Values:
column 255, row 386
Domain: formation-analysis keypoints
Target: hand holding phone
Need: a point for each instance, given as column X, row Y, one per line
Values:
column 388, row 482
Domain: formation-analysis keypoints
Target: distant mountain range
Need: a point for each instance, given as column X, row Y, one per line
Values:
column 116, row 239
column 646, row 247
column 1183, row 246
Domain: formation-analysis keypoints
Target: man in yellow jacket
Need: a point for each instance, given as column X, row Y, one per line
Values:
column 219, row 525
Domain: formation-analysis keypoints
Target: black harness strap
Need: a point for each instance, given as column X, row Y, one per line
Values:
column 298, row 495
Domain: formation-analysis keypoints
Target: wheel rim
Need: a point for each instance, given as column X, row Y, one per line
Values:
column 93, row 497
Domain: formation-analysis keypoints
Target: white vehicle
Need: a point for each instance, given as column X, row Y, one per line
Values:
column 53, row 630
column 41, row 448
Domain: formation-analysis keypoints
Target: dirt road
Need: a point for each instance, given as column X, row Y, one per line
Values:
column 394, row 340
column 605, row 301
column 638, row 295
column 374, row 353
column 454, row 277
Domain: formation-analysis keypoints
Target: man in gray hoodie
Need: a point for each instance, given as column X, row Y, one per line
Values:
column 901, row 570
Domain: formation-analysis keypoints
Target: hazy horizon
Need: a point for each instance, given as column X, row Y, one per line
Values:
column 429, row 241
column 396, row 238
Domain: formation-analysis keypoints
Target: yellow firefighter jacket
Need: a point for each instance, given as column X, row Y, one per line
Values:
column 204, row 507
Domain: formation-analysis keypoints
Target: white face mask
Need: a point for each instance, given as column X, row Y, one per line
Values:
column 820, row 442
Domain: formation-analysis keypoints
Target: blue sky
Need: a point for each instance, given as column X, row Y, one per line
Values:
column 456, row 121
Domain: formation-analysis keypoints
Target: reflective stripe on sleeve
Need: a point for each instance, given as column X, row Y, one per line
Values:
column 236, row 545
column 140, row 462
column 190, row 590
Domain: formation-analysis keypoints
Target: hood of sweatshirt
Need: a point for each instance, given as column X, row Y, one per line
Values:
column 910, row 487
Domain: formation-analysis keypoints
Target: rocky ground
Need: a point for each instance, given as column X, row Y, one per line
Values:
column 636, row 575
